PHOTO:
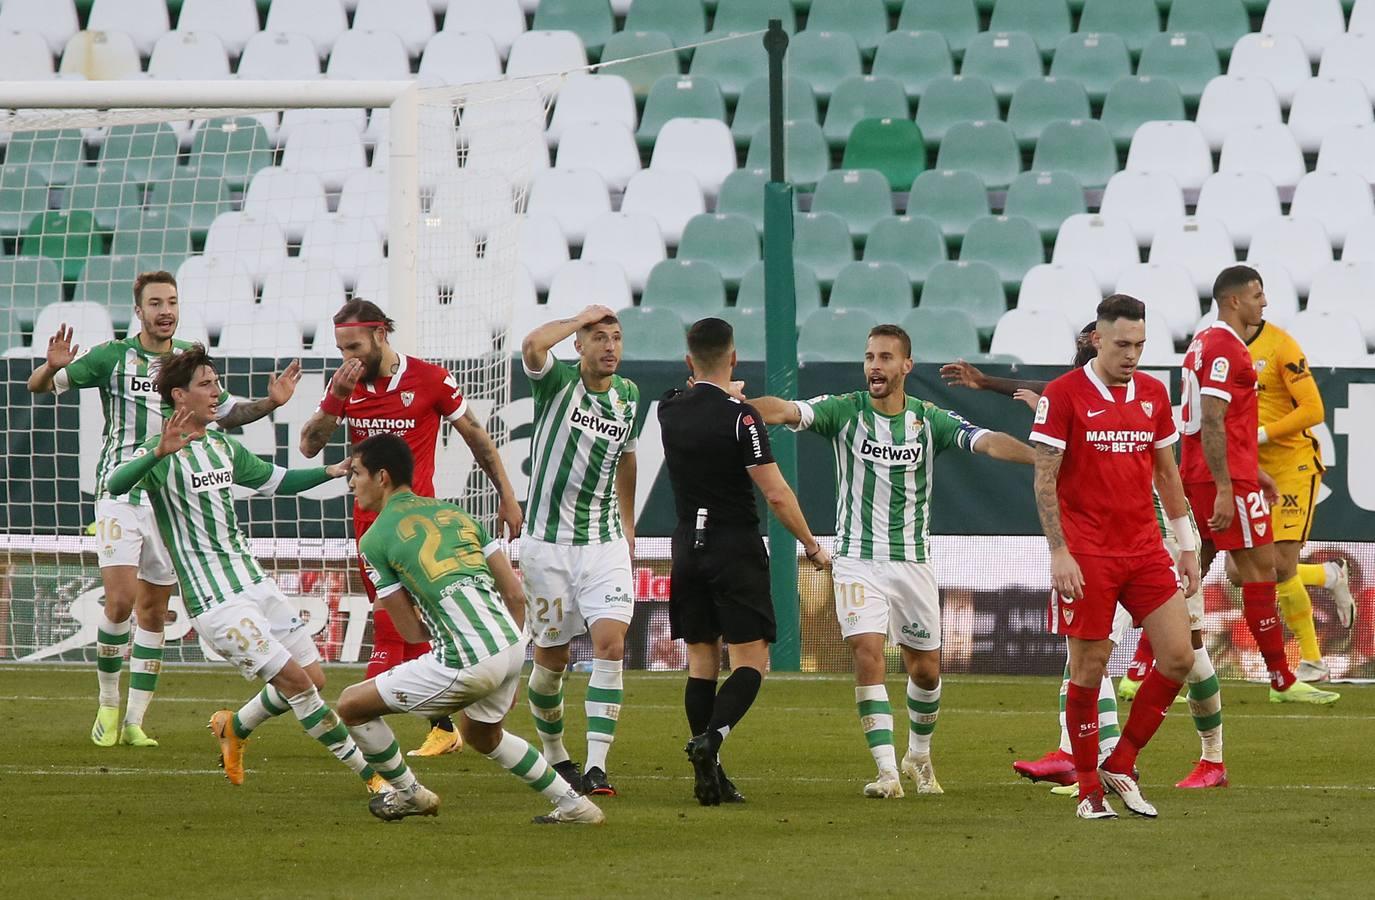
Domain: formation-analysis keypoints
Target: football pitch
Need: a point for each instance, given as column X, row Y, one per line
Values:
column 79, row 821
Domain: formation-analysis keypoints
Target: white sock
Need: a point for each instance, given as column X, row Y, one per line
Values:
column 379, row 747
column 145, row 662
column 545, row 693
column 1205, row 704
column 110, row 641
column 264, row 705
column 876, row 718
column 515, row 755
column 1108, row 731
column 605, row 690
column 922, row 709
column 321, row 723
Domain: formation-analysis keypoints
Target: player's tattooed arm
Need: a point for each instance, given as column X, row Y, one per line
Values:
column 1048, row 461
column 315, row 434
column 489, row 460
column 537, row 344
column 625, row 496
column 1214, row 438
column 280, row 389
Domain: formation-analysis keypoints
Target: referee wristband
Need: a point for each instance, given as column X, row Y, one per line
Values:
column 1183, row 530
column 331, row 405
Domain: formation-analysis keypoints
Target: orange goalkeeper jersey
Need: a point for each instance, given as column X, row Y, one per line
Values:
column 1289, row 403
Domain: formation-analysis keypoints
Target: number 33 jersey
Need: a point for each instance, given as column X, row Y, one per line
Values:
column 1218, row 364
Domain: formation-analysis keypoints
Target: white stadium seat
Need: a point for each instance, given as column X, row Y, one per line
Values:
column 460, row 57
column 1362, row 18
column 232, row 21
column 574, row 197
column 322, row 21
column 1351, row 56
column 369, row 56
column 197, row 55
column 218, row 283
column 670, row 197
column 1071, row 289
column 543, row 248
column 630, row 239
column 1230, row 101
column 1316, row 23
column 545, row 53
column 1035, row 336
column 607, row 148
column 364, row 196
column 592, row 98
column 349, row 245
column 1268, row 149
column 308, row 290
column 1178, row 149
column 1338, row 200
column 55, row 20
column 1105, row 246
column 493, row 150
column 1201, row 246
column 292, row 119
column 702, row 147
column 373, row 284
column 1240, row 201
column 261, row 335
column 1300, row 245
column 482, row 200
column 24, row 56
column 1344, row 287
column 1324, row 104
column 1159, row 350
column 1280, row 294
column 580, row 283
column 101, row 55
column 279, row 55
column 410, row 20
column 501, row 20
column 143, row 20
column 1360, row 241
column 291, row 199
column 1168, row 290
column 258, row 243
column 90, row 324
column 1329, row 338
column 331, row 150
column 1349, row 149
column 1278, row 58
column 1146, row 200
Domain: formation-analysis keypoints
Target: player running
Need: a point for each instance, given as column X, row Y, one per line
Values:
column 1104, row 435
column 187, row 473
column 135, row 571
column 1221, row 470
column 885, row 444
column 442, row 578
column 379, row 390
column 580, row 529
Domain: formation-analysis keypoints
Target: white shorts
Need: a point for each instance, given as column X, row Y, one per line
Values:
column 128, row 536
column 899, row 599
column 568, row 587
column 427, row 687
column 1195, row 603
column 258, row 631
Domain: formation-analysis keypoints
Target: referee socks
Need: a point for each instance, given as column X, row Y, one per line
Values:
column 733, row 701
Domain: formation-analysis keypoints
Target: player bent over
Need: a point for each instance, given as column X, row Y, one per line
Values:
column 442, row 579
column 187, row 473
column 1104, row 435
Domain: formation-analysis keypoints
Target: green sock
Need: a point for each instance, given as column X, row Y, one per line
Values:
column 110, row 640
column 545, row 693
column 876, row 718
column 145, row 662
column 605, row 691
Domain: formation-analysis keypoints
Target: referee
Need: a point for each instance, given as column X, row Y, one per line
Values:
column 715, row 446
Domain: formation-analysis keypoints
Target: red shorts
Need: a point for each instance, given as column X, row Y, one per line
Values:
column 1250, row 526
column 1142, row 584
column 388, row 649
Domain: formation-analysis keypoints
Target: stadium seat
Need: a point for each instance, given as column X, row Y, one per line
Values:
column 821, row 240
column 306, row 289
column 100, row 55
column 689, row 288
column 807, row 156
column 672, row 198
column 631, row 240
column 291, row 199
column 859, row 196
column 24, row 195
column 1003, row 59
column 54, row 20
column 1146, row 200
column 1175, row 148
column 752, row 110
column 953, row 198
column 1096, row 61
column 279, row 55
column 258, row 243
column 1041, row 101
column 880, row 289
column 742, row 194
column 480, row 200
column 940, row 335
column 1046, row 22
column 1135, row 21
column 581, row 283
column 1222, row 21
column 1349, row 149
column 261, row 335
column 1081, row 148
column 1035, row 336
column 1234, row 101
column 1106, row 246
column 1300, row 245
column 607, row 148
column 949, row 101
column 68, row 238
column 1269, row 149
column 988, row 149
column 652, row 333
column 1240, row 201
column 1362, row 19
column 30, row 283
column 1344, row 287
column 322, row 21
column 330, row 150
column 727, row 242
column 348, row 245
column 52, row 155
column 1351, row 56
column 748, row 324
column 1280, row 293
column 1278, row 58
column 834, row 335
column 1316, row 23
column 1339, row 200
column 973, row 287
column 544, row 53
column 143, row 20
column 218, row 283
column 1322, row 105
column 702, row 147
column 1045, row 199
column 24, row 56
column 103, row 191
column 806, row 290
column 913, row 243
column 673, row 97
column 592, row 98
column 369, row 56
column 866, row 21
column 232, row 21
column 1168, row 290
column 460, row 57
column 1329, row 338
column 824, row 59
column 501, row 20
column 374, row 284
column 862, row 97
column 197, row 197
column 1201, row 246
column 1187, row 59
column 90, row 324
column 574, row 197
column 189, row 55
column 590, row 20
column 1131, row 102
column 684, row 23
column 151, row 232
column 410, row 20
column 1073, row 290
column 913, row 59
column 365, row 196
column 732, row 64
column 232, row 148
column 292, row 119
column 894, row 147
column 543, row 248
column 956, row 20
column 144, row 152
column 740, row 16
column 105, row 281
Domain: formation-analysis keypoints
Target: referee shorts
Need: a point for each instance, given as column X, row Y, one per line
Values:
column 721, row 591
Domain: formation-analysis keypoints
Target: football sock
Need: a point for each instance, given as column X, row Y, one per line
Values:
column 264, row 705
column 516, row 756
column 1108, row 730
column 922, row 709
column 1142, row 660
column 145, row 662
column 1317, row 575
column 1148, row 711
column 1064, row 731
column 546, row 704
column 110, row 641
column 605, row 690
column 699, row 701
column 1258, row 605
column 1297, row 609
column 733, row 701
column 876, row 718
column 379, row 747
column 321, row 723
column 443, row 723
column 1205, row 703
column 1081, row 717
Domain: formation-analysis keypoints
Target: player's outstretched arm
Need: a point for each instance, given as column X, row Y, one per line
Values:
column 967, row 375
column 537, row 344
column 777, row 411
column 401, row 608
column 485, row 452
column 280, row 389
column 61, row 353
column 1171, row 489
column 783, row 502
column 1065, row 575
column 625, row 495
column 315, row 434
column 1214, row 438
column 999, row 445
column 508, row 584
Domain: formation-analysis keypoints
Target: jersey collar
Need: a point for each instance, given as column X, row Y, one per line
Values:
column 1218, row 323
column 1103, row 388
column 395, row 381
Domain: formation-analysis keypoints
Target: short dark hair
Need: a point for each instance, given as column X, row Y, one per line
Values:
column 1083, row 345
column 604, row 320
column 388, row 451
column 894, row 331
column 1233, row 278
column 358, row 310
column 1121, row 306
column 157, row 276
column 710, row 339
column 178, row 370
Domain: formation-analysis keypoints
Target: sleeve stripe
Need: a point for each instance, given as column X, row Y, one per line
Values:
column 269, row 487
column 806, row 415
column 388, row 589
column 1168, row 441
column 491, row 547
column 458, row 413
column 61, row 381
column 1216, row 392
column 548, row 364
column 1047, row 439
column 972, row 436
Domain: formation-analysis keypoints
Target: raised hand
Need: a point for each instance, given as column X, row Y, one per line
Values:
column 510, row 517
column 344, row 379
column 281, row 387
column 962, row 374
column 179, row 430
column 61, row 350
column 1029, row 397
column 594, row 314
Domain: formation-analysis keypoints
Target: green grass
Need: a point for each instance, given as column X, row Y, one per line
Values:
column 78, row 821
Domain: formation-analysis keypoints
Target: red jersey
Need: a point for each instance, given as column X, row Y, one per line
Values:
column 1109, row 436
column 411, row 404
column 1218, row 364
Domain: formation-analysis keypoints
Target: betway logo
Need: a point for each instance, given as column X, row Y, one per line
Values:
column 890, row 454
column 376, row 425
column 214, row 480
column 586, row 420
column 141, row 385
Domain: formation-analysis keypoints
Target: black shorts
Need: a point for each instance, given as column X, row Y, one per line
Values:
column 721, row 591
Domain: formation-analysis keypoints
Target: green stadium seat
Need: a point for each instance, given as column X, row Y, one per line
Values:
column 913, row 243
column 1096, row 61
column 591, row 20
column 1142, row 99
column 151, row 232
column 1010, row 244
column 652, row 333
column 1037, row 103
column 894, row 147
column 864, row 20
column 988, row 149
column 727, row 242
column 956, row 20
column 1222, row 21
column 822, row 241
column 684, row 23
column 143, row 152
column 748, row 322
column 973, row 287
column 879, row 288
column 103, row 192
column 735, row 16
column 198, row 197
column 806, row 289
column 647, row 58
column 68, row 238
column 106, row 280
column 690, row 289
column 823, row 59
column 1186, row 58
column 862, row 97
column 1045, row 21
column 742, row 193
column 1135, row 21
column 1045, row 199
column 806, row 155
column 859, row 196
column 678, row 97
column 834, row 335
column 752, row 110
column 234, row 148
column 940, row 335
column 948, row 101
column 53, row 154
column 1003, row 59
column 23, row 195
column 29, row 283
column 1079, row 147
column 953, row 199
column 913, row 59
column 733, row 64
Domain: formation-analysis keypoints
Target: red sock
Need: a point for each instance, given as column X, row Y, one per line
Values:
column 1262, row 617
column 1143, row 660
column 1081, row 720
column 1148, row 711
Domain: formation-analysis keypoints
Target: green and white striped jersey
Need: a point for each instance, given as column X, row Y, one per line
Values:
column 579, row 439
column 124, row 372
column 438, row 553
column 884, row 470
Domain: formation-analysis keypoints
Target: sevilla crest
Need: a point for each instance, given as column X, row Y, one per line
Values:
column 407, row 397
column 1148, row 407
